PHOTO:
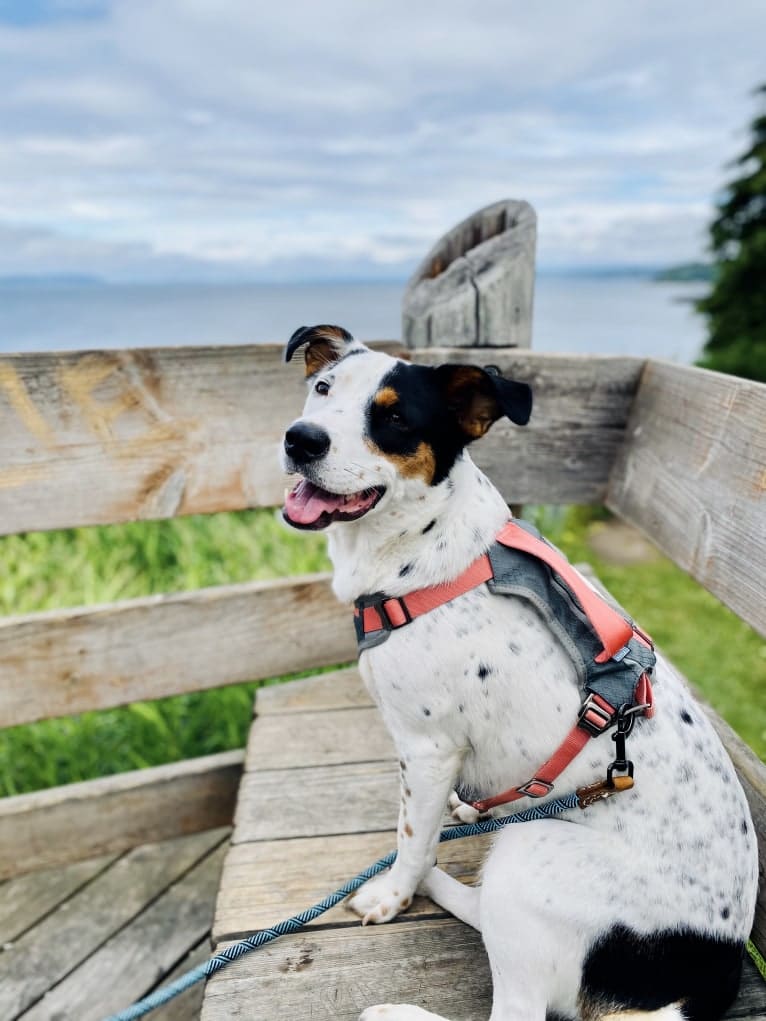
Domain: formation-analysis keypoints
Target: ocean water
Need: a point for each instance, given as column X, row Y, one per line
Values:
column 576, row 314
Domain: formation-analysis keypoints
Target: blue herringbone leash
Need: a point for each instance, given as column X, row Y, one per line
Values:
column 263, row 936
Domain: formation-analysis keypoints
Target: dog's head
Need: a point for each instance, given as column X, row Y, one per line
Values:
column 377, row 429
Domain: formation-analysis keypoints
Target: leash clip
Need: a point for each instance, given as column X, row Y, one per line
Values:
column 626, row 720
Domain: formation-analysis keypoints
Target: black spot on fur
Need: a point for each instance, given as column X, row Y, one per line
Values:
column 687, row 718
column 625, row 970
column 744, row 825
column 405, row 570
column 483, row 671
column 426, row 711
column 725, row 912
column 514, row 647
column 461, row 708
column 428, row 527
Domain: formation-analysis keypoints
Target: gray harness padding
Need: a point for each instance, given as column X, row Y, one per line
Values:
column 521, row 574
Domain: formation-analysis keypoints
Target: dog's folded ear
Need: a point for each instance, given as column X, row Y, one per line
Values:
column 324, row 345
column 478, row 397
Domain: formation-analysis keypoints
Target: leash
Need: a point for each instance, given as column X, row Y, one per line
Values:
column 258, row 939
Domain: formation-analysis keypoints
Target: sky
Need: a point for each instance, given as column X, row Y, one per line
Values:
column 237, row 139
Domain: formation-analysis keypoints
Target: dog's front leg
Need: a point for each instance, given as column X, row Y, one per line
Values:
column 426, row 776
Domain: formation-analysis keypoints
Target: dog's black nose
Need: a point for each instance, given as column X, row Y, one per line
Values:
column 306, row 442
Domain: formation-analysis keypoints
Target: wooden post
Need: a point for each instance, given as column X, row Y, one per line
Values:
column 475, row 286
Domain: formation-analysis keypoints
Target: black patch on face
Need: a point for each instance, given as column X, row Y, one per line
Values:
column 628, row 971
column 419, row 416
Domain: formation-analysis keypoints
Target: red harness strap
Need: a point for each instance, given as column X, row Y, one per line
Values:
column 596, row 714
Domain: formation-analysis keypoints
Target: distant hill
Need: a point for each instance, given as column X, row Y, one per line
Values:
column 686, row 271
column 48, row 280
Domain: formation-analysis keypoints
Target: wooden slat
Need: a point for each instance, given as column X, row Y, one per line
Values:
column 439, row 965
column 274, row 804
column 105, row 436
column 318, row 739
column 188, row 1005
column 66, row 824
column 334, row 974
column 692, row 477
column 26, row 899
column 312, row 867
column 581, row 406
column 99, row 437
column 341, row 689
column 63, row 940
column 127, row 966
column 67, row 661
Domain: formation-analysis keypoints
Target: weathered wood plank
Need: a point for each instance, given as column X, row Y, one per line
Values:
column 45, row 954
column 341, row 689
column 333, row 975
column 691, row 475
column 475, row 286
column 65, row 824
column 264, row 882
column 26, row 899
column 581, row 406
column 318, row 739
column 439, row 965
column 96, row 437
column 274, row 804
column 188, row 1005
column 93, row 438
column 127, row 965
column 67, row 661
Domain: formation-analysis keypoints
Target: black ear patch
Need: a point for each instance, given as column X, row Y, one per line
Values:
column 478, row 397
column 324, row 345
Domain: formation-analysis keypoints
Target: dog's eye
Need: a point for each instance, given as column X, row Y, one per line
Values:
column 397, row 419
column 322, row 387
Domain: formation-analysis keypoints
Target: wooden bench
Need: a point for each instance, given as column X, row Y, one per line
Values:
column 93, row 438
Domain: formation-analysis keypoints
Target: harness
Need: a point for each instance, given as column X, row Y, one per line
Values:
column 613, row 657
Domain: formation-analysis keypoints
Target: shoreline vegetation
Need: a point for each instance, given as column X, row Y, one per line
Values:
column 85, row 566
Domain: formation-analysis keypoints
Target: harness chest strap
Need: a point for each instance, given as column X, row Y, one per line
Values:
column 381, row 613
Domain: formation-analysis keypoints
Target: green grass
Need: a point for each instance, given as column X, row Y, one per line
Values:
column 85, row 566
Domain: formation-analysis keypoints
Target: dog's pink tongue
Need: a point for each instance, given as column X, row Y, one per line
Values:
column 307, row 502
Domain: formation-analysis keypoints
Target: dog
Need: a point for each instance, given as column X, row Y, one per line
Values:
column 638, row 906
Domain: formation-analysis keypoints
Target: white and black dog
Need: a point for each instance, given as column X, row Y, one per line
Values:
column 637, row 906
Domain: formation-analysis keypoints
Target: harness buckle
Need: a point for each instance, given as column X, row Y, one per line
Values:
column 392, row 610
column 535, row 788
column 596, row 715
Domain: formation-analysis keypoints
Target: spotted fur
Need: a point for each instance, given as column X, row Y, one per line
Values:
column 638, row 904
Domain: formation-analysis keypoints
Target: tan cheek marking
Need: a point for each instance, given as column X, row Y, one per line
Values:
column 421, row 464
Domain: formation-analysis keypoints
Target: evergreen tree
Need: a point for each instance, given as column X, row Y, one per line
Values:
column 736, row 304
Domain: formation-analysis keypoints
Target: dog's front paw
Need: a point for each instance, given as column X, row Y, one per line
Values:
column 380, row 900
column 460, row 811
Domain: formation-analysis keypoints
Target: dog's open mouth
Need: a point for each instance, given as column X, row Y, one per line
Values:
column 310, row 506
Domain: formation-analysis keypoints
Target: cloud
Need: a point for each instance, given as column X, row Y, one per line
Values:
column 296, row 137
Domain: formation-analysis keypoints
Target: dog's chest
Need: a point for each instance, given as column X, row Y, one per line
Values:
column 483, row 673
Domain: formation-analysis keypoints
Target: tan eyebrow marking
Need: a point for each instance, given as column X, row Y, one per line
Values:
column 386, row 397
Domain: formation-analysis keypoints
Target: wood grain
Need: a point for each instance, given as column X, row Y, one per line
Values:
column 69, row 935
column 275, row 804
column 326, row 738
column 127, row 965
column 94, row 437
column 438, row 964
column 581, row 406
column 102, row 437
column 692, row 476
column 84, row 820
column 67, row 661
column 340, row 689
column 308, row 869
